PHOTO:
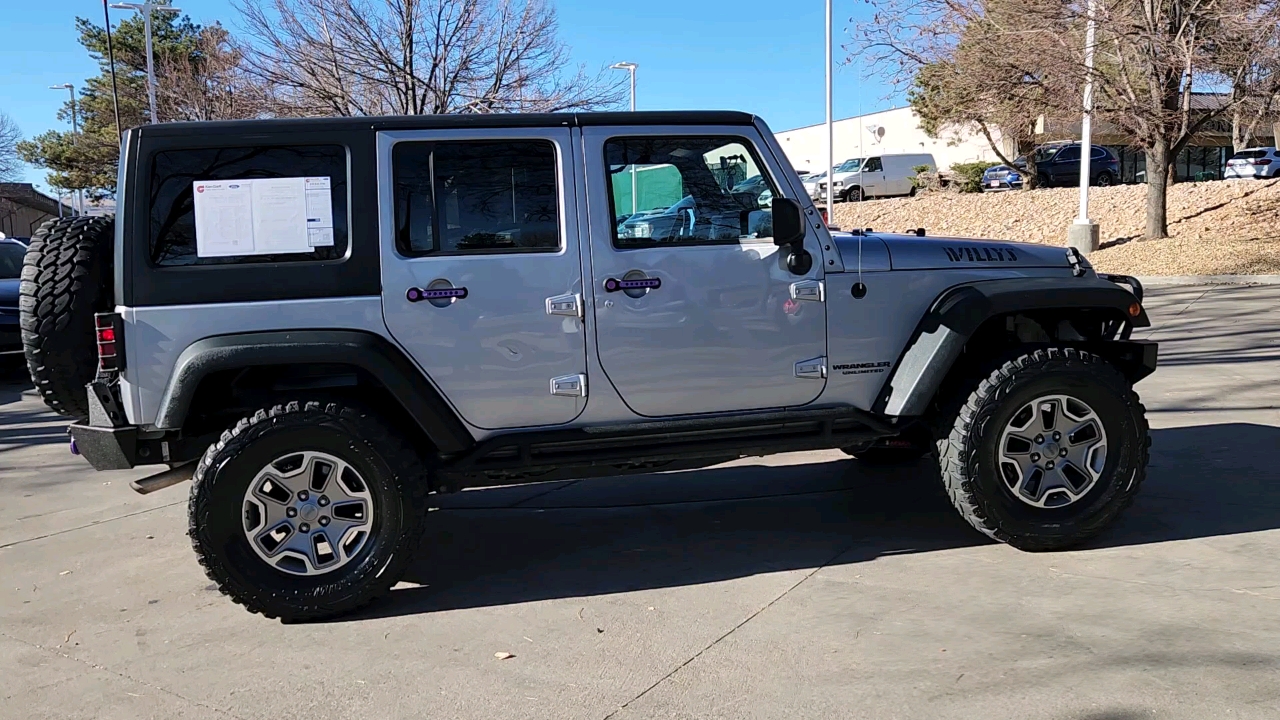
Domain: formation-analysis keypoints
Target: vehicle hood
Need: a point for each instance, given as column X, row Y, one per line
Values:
column 911, row 252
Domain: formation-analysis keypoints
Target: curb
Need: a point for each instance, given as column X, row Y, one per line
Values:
column 1177, row 280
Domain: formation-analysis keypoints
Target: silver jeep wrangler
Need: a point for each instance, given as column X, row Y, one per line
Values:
column 323, row 322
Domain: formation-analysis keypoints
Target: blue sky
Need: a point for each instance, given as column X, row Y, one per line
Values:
column 752, row 55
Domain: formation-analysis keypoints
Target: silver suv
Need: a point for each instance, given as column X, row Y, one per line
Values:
column 324, row 322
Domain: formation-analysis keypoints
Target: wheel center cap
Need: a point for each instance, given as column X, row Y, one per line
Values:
column 309, row 512
column 1051, row 449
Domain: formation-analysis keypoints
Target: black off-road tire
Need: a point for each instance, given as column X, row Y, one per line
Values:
column 394, row 473
column 66, row 278
column 967, row 455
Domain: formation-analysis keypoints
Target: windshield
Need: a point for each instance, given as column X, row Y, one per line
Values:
column 11, row 260
column 850, row 165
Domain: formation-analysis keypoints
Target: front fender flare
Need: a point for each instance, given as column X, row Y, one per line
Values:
column 960, row 310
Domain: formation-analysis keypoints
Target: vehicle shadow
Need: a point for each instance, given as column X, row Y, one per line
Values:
column 557, row 540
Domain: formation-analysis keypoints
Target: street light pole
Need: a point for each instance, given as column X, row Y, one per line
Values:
column 111, row 59
column 146, row 9
column 76, row 197
column 631, row 68
column 1083, row 233
column 831, row 150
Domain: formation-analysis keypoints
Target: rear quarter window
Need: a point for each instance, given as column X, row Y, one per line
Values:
column 172, row 230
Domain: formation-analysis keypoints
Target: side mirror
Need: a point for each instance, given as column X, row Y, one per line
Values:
column 788, row 222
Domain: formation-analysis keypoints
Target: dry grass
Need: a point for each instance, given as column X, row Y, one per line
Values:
column 1215, row 227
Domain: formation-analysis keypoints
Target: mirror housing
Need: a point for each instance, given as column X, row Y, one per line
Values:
column 788, row 222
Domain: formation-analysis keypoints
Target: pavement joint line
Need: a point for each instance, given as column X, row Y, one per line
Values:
column 731, row 630
column 89, row 525
column 97, row 666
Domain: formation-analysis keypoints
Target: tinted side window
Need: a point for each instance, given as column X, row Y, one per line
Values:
column 873, row 165
column 687, row 191
column 1068, row 153
column 1098, row 154
column 476, row 197
column 172, row 223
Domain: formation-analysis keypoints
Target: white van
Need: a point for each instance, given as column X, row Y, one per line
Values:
column 880, row 176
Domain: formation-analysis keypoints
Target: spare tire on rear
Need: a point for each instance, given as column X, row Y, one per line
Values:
column 66, row 279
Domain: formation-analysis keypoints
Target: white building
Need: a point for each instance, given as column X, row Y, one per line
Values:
column 890, row 131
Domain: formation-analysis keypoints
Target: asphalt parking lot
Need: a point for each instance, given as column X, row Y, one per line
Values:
column 799, row 586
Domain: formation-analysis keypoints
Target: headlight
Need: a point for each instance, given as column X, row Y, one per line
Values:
column 1013, row 177
column 641, row 230
column 838, row 183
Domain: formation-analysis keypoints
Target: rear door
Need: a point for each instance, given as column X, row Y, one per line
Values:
column 481, row 272
column 695, row 310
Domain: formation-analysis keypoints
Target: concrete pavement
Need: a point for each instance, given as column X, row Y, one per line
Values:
column 795, row 586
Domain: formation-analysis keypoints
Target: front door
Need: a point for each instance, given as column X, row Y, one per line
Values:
column 873, row 182
column 1066, row 166
column 481, row 275
column 695, row 309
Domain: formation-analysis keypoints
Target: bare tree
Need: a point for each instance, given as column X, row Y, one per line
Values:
column 987, row 66
column 412, row 57
column 1150, row 54
column 10, row 136
column 208, row 81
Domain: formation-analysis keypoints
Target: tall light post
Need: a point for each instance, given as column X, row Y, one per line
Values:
column 631, row 68
column 111, row 59
column 76, row 200
column 146, row 9
column 1083, row 233
column 831, row 150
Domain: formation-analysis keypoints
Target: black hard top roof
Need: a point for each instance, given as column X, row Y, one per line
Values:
column 442, row 122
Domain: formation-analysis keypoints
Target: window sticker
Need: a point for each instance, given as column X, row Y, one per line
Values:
column 264, row 216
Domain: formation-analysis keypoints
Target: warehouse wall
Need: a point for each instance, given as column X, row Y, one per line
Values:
column 806, row 147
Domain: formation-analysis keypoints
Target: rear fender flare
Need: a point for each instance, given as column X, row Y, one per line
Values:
column 372, row 353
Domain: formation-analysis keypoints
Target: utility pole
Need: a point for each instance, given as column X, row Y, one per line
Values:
column 77, row 199
column 1083, row 233
column 111, row 59
column 831, row 149
column 146, row 9
column 631, row 68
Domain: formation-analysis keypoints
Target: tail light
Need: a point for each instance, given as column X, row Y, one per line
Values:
column 1262, row 161
column 823, row 212
column 109, row 328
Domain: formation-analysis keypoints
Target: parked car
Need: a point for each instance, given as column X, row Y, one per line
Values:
column 880, row 176
column 811, row 183
column 462, row 311
column 1260, row 163
column 1056, row 164
column 11, row 254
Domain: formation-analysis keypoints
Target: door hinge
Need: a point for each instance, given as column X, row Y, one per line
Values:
column 808, row 290
column 569, row 304
column 812, row 369
column 569, row 386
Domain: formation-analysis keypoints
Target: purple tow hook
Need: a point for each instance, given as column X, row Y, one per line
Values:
column 74, row 449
